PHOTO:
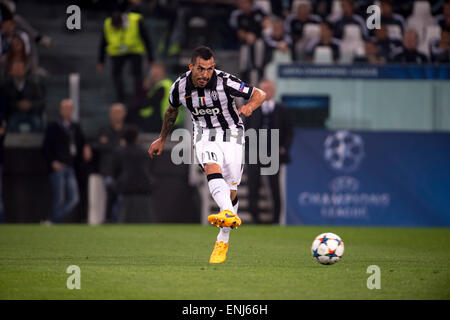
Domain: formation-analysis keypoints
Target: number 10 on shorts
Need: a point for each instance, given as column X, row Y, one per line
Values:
column 209, row 155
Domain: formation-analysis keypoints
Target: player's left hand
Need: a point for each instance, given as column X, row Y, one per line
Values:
column 156, row 148
column 246, row 110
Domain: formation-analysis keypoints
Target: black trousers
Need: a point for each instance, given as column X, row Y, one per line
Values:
column 254, row 184
column 136, row 208
column 118, row 64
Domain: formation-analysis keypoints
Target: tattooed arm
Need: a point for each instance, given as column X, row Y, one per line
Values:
column 170, row 117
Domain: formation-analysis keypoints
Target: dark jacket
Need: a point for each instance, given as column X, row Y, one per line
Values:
column 107, row 149
column 280, row 120
column 33, row 90
column 132, row 170
column 57, row 144
column 411, row 56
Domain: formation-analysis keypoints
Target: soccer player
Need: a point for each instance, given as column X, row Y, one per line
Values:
column 218, row 134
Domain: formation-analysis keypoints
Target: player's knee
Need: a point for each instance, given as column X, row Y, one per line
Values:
column 211, row 168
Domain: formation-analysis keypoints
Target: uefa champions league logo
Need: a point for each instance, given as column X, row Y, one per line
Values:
column 344, row 150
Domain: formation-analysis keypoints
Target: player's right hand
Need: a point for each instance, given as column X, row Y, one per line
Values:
column 156, row 148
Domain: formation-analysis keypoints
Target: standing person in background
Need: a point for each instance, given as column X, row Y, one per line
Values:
column 125, row 38
column 249, row 20
column 110, row 138
column 64, row 146
column 157, row 86
column 271, row 115
column 131, row 167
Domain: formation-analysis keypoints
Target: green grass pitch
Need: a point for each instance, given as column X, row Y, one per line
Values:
column 264, row 262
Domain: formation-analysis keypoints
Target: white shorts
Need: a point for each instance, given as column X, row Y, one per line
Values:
column 228, row 155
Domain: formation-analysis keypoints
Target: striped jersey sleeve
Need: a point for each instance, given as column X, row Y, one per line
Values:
column 237, row 88
column 174, row 96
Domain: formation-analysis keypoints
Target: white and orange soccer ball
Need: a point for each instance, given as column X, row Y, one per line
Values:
column 327, row 248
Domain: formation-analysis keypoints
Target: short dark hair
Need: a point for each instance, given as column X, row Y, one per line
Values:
column 203, row 52
column 131, row 133
column 116, row 18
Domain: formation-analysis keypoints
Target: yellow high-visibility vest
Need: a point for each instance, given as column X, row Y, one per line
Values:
column 125, row 40
column 149, row 110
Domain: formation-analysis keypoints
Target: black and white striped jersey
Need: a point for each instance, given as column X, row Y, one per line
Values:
column 211, row 107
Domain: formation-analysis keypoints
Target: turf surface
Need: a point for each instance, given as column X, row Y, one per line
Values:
column 264, row 262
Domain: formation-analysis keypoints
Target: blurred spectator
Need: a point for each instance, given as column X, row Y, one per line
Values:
column 157, row 86
column 281, row 8
column 25, row 98
column 276, row 40
column 326, row 40
column 440, row 49
column 372, row 54
column 23, row 24
column 18, row 51
column 170, row 42
column 322, row 8
column 14, row 28
column 388, row 47
column 443, row 20
column 294, row 25
column 349, row 17
column 249, row 21
column 403, row 7
column 361, row 7
column 388, row 16
column 132, row 174
column 436, row 6
column 64, row 146
column 410, row 53
column 125, row 38
column 271, row 115
column 110, row 138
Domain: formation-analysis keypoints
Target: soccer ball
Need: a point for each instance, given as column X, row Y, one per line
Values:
column 327, row 248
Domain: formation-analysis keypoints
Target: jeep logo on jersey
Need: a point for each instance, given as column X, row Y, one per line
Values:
column 207, row 111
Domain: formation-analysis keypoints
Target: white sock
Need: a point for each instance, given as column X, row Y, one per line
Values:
column 224, row 234
column 235, row 204
column 220, row 191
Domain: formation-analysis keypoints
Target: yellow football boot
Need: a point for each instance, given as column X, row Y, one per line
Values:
column 219, row 254
column 225, row 218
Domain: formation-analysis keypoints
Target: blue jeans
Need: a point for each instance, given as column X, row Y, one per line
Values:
column 65, row 193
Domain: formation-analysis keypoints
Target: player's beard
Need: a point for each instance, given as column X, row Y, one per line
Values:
column 202, row 82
